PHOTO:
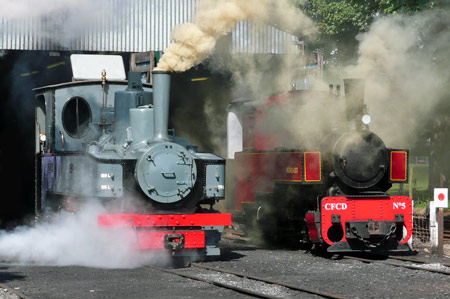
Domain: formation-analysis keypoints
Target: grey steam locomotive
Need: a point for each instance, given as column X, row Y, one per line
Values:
column 121, row 151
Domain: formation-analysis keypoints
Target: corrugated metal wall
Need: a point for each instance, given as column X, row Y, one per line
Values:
column 259, row 38
column 131, row 26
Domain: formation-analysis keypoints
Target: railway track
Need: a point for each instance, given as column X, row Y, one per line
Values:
column 414, row 260
column 12, row 293
column 413, row 266
column 243, row 290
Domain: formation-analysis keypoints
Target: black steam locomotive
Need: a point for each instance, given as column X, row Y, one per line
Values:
column 109, row 140
column 327, row 186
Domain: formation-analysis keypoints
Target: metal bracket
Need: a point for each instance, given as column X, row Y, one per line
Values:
column 174, row 241
column 399, row 218
column 168, row 175
column 61, row 134
column 335, row 218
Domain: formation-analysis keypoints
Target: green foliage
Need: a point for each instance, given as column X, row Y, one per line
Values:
column 338, row 17
column 340, row 21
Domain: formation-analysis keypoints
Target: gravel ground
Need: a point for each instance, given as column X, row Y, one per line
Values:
column 7, row 294
column 343, row 277
column 81, row 282
column 245, row 283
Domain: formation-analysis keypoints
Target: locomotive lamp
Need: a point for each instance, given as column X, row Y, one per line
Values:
column 366, row 119
column 42, row 137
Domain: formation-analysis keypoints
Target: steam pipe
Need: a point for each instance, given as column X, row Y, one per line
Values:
column 161, row 93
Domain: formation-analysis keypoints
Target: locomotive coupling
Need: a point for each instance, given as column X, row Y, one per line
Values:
column 368, row 229
column 174, row 241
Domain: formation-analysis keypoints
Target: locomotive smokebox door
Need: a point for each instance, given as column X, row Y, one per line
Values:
column 360, row 159
column 166, row 172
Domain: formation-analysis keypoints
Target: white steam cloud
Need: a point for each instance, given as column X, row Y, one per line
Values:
column 75, row 239
column 405, row 61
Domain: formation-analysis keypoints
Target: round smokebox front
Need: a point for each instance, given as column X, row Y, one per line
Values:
column 360, row 159
column 166, row 172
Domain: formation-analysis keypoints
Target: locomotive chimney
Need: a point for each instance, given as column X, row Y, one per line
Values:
column 354, row 98
column 161, row 93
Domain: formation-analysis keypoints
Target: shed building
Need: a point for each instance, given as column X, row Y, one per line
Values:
column 129, row 26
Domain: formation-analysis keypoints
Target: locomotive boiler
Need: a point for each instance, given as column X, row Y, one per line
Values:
column 326, row 187
column 109, row 140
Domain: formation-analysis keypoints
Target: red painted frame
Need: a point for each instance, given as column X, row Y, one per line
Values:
column 150, row 230
column 363, row 209
column 155, row 239
column 172, row 220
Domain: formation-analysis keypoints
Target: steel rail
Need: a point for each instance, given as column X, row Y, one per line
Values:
column 218, row 284
column 289, row 286
column 396, row 265
column 18, row 294
column 413, row 260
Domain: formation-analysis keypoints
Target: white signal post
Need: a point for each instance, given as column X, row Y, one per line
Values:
column 440, row 197
column 440, row 202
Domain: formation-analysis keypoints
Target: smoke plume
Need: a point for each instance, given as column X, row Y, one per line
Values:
column 406, row 63
column 215, row 18
column 74, row 239
column 404, row 59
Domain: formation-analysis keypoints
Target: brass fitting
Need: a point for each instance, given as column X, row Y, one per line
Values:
column 103, row 77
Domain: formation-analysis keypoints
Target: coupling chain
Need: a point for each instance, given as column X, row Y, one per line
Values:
column 391, row 233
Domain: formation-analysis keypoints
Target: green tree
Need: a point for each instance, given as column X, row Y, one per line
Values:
column 339, row 22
